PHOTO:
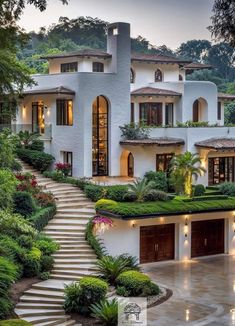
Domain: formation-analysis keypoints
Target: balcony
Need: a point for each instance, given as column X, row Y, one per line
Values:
column 45, row 131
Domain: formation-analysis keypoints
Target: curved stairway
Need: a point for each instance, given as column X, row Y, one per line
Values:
column 42, row 305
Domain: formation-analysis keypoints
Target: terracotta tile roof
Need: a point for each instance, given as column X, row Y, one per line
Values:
column 55, row 90
column 217, row 143
column 228, row 97
column 151, row 91
column 80, row 53
column 161, row 141
column 197, row 65
column 158, row 58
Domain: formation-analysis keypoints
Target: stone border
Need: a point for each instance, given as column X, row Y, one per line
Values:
column 156, row 300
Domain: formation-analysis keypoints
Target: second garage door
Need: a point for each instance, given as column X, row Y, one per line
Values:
column 207, row 238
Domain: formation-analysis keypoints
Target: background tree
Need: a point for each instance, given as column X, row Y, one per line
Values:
column 223, row 21
column 195, row 50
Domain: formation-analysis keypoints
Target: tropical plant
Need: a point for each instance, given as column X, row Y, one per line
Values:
column 140, row 188
column 134, row 131
column 106, row 311
column 159, row 178
column 27, row 138
column 8, row 184
column 109, row 267
column 187, row 166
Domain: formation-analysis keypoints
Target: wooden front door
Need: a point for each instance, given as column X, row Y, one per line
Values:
column 157, row 243
column 207, row 238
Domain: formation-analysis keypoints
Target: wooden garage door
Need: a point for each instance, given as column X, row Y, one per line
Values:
column 207, row 238
column 157, row 243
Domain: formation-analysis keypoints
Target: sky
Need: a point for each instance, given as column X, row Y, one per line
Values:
column 168, row 22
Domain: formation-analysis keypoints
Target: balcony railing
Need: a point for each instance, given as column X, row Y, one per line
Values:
column 45, row 131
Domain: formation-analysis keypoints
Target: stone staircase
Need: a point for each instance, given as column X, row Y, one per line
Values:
column 42, row 305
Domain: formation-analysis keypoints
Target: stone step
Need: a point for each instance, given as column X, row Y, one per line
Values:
column 34, row 305
column 61, row 186
column 50, row 285
column 74, row 250
column 67, row 192
column 73, row 255
column 75, row 211
column 64, row 233
column 68, row 221
column 73, row 195
column 72, row 272
column 41, row 300
column 71, row 199
column 78, row 216
column 60, row 237
column 76, row 267
column 38, row 312
column 66, row 277
column 44, row 293
column 69, row 261
column 42, row 319
column 59, row 323
column 81, row 204
column 78, row 228
column 82, row 243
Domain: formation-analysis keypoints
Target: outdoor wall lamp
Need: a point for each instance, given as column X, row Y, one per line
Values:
column 133, row 224
column 186, row 228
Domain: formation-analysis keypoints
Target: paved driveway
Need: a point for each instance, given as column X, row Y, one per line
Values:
column 203, row 292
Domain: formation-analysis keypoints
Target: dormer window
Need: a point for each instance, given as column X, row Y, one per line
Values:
column 158, row 76
column 97, row 67
column 69, row 67
column 132, row 76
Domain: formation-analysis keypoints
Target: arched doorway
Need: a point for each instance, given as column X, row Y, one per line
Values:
column 200, row 108
column 100, row 153
column 130, row 165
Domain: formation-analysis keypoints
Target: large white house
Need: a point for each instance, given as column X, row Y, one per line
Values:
column 79, row 106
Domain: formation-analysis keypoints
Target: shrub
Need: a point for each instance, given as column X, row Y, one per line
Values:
column 40, row 160
column 46, row 247
column 23, row 203
column 140, row 188
column 106, row 312
column 27, row 182
column 79, row 297
column 15, row 225
column 159, row 178
column 32, row 262
column 14, row 322
column 11, row 249
column 44, row 276
column 101, row 202
column 109, row 268
column 122, row 291
column 134, row 131
column 130, row 197
column 5, row 307
column 7, row 187
column 65, row 168
column 96, row 192
column 44, row 199
column 41, row 218
column 82, row 182
column 153, row 195
column 25, row 241
column 199, row 190
column 227, row 188
column 8, row 274
column 131, row 261
column 16, row 166
column 93, row 241
column 47, row 263
column 37, row 145
column 137, row 284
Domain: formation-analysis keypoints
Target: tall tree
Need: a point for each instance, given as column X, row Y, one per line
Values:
column 195, row 50
column 223, row 21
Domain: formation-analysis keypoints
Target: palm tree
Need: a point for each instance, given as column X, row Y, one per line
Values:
column 187, row 166
column 140, row 188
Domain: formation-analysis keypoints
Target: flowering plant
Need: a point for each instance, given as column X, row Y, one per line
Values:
column 27, row 182
column 65, row 168
column 102, row 224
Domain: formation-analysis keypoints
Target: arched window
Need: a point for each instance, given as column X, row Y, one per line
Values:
column 158, row 75
column 181, row 77
column 132, row 76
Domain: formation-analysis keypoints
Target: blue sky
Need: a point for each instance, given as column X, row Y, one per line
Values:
column 169, row 22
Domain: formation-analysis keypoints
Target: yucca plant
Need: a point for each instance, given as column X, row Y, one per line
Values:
column 140, row 188
column 109, row 268
column 106, row 312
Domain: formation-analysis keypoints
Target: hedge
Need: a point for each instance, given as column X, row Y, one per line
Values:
column 175, row 206
column 202, row 198
column 41, row 218
column 96, row 192
column 40, row 160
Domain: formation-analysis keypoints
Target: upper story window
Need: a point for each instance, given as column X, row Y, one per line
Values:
column 158, row 76
column 97, row 67
column 219, row 111
column 64, row 112
column 151, row 113
column 132, row 76
column 69, row 67
column 169, row 114
column 181, row 77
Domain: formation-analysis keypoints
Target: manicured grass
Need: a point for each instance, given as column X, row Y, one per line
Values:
column 170, row 207
column 14, row 322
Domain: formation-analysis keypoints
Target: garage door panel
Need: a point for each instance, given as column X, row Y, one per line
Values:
column 207, row 237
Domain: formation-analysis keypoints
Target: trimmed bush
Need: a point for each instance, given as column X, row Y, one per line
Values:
column 47, row 263
column 32, row 262
column 41, row 218
column 40, row 160
column 36, row 145
column 227, row 188
column 130, row 197
column 96, row 192
column 137, row 284
column 154, row 195
column 199, row 190
column 159, row 179
column 23, row 203
column 80, row 296
column 205, row 198
column 46, row 247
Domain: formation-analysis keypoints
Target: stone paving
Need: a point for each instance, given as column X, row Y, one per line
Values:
column 203, row 292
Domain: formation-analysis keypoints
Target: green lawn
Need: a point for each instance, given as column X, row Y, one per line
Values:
column 169, row 207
